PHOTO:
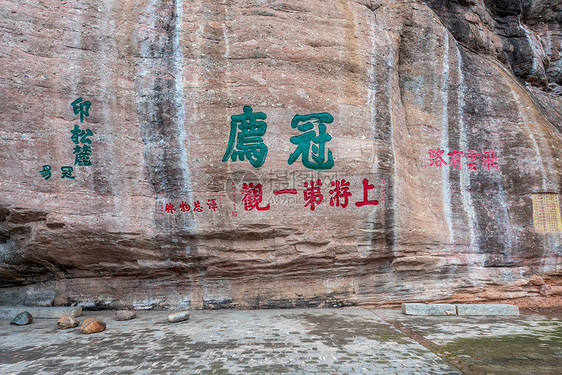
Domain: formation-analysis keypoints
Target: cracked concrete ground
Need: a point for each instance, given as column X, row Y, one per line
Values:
column 323, row 341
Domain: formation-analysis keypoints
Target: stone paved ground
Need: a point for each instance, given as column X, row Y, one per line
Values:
column 325, row 341
column 524, row 344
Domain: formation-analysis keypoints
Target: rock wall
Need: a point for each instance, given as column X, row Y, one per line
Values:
column 379, row 88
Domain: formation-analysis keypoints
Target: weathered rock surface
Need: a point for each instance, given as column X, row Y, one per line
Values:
column 92, row 325
column 67, row 321
column 125, row 315
column 22, row 319
column 525, row 35
column 400, row 78
column 178, row 316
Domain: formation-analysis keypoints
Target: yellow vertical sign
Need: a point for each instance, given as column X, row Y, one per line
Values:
column 546, row 213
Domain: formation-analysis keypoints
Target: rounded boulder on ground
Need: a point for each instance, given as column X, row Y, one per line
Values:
column 125, row 315
column 67, row 321
column 92, row 325
column 178, row 316
column 22, row 319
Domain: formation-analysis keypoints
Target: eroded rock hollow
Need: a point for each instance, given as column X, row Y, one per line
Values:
column 275, row 153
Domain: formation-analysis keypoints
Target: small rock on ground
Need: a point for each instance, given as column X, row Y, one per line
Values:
column 92, row 325
column 23, row 318
column 125, row 315
column 178, row 316
column 66, row 321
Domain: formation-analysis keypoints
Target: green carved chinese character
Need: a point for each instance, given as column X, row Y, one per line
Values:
column 46, row 172
column 82, row 155
column 246, row 140
column 67, row 172
column 80, row 108
column 311, row 145
column 81, row 135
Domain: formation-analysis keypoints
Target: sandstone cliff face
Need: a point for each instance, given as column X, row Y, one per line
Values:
column 401, row 79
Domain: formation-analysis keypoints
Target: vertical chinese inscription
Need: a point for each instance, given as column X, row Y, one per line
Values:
column 546, row 213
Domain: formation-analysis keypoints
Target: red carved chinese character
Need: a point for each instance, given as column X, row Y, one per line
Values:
column 340, row 191
column 197, row 206
column 285, row 191
column 489, row 159
column 184, row 207
column 455, row 158
column 365, row 201
column 472, row 155
column 170, row 208
column 312, row 194
column 212, row 203
column 436, row 159
column 252, row 197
